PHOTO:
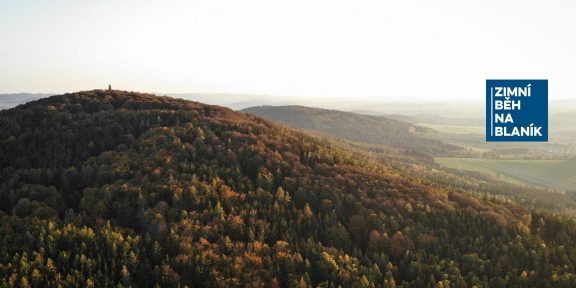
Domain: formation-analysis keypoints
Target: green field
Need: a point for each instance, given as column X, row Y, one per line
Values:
column 555, row 174
column 561, row 145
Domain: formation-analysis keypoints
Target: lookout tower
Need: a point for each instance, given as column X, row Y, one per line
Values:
column 109, row 87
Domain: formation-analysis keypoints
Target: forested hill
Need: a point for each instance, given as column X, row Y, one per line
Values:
column 121, row 189
column 358, row 127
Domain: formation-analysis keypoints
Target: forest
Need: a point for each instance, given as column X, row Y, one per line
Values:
column 123, row 189
column 360, row 128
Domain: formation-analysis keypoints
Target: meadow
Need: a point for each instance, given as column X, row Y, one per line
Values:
column 555, row 174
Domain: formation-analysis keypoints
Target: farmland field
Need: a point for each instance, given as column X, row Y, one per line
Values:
column 560, row 147
column 555, row 174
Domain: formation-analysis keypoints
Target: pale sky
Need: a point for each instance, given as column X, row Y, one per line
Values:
column 386, row 50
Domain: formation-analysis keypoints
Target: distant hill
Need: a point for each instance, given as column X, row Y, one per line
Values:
column 122, row 189
column 357, row 127
column 12, row 100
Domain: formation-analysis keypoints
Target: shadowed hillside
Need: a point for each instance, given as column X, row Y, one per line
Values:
column 122, row 189
column 357, row 127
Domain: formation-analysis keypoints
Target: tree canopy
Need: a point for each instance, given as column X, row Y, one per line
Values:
column 123, row 189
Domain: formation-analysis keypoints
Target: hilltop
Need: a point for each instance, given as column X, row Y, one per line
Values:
column 114, row 188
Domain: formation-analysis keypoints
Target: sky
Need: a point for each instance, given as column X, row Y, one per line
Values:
column 327, row 49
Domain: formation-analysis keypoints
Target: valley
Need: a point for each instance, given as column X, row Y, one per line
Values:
column 555, row 174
